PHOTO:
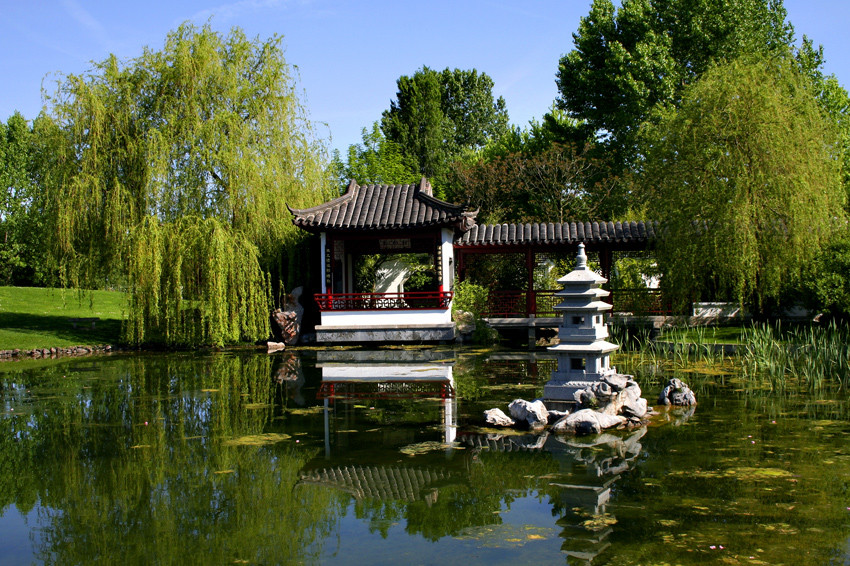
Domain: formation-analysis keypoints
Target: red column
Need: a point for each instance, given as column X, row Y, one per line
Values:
column 530, row 301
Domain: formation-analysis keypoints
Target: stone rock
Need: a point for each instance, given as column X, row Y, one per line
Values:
column 603, row 391
column 534, row 413
column 555, row 416
column 588, row 421
column 288, row 319
column 613, row 395
column 465, row 321
column 636, row 408
column 275, row 346
column 617, row 381
column 586, row 398
column 677, row 393
column 497, row 417
column 631, row 402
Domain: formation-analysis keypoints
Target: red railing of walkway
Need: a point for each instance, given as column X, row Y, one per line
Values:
column 501, row 303
column 542, row 303
column 413, row 300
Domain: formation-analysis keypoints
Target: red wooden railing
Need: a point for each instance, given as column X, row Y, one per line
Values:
column 640, row 302
column 501, row 303
column 413, row 300
column 542, row 303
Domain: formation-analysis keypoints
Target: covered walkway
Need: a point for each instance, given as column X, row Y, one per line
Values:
column 528, row 257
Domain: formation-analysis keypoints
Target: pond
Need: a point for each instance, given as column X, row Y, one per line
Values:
column 350, row 456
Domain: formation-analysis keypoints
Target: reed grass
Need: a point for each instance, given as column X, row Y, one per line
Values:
column 810, row 355
column 770, row 357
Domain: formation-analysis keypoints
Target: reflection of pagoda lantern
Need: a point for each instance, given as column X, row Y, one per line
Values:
column 583, row 352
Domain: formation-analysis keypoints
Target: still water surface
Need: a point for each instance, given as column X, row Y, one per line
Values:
column 352, row 457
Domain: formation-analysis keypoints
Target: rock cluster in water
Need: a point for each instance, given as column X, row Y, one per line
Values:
column 613, row 402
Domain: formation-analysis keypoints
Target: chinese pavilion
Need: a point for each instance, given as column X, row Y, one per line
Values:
column 385, row 219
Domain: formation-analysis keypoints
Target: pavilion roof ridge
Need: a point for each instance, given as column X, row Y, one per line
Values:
column 384, row 207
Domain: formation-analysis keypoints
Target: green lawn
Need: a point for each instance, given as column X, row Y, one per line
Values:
column 42, row 318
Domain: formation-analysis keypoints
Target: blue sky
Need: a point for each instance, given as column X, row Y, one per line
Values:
column 349, row 54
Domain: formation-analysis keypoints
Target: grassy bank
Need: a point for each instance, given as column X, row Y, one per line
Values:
column 45, row 318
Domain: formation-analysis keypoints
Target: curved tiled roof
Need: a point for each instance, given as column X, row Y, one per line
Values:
column 557, row 233
column 383, row 207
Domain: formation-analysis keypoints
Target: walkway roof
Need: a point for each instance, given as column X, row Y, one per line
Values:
column 542, row 233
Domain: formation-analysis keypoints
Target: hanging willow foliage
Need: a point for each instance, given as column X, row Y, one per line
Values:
column 194, row 281
column 745, row 180
column 172, row 180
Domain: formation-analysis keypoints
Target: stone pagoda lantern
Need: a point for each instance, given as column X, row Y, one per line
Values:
column 583, row 352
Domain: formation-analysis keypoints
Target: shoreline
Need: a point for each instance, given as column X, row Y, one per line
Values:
column 52, row 353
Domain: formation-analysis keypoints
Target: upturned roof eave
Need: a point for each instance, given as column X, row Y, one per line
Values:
column 401, row 210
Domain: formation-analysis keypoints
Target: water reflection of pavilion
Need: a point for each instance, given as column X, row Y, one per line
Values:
column 388, row 375
column 383, row 483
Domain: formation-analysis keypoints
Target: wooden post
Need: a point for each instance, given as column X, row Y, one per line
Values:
column 605, row 260
column 530, row 302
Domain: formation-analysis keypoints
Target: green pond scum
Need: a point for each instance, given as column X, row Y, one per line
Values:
column 245, row 458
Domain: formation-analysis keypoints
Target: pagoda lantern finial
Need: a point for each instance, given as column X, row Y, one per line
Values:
column 581, row 258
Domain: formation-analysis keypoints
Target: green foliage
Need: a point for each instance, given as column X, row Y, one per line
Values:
column 438, row 116
column 561, row 183
column 195, row 282
column 206, row 137
column 423, row 275
column 827, row 277
column 808, row 355
column 469, row 297
column 833, row 99
column 632, row 272
column 420, row 270
column 745, row 181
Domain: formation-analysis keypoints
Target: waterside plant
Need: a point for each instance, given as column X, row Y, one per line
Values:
column 809, row 355
column 769, row 356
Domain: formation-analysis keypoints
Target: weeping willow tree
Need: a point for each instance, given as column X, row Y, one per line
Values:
column 745, row 180
column 172, row 174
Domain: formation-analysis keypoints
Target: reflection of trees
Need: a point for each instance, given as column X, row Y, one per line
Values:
column 493, row 481
column 173, row 490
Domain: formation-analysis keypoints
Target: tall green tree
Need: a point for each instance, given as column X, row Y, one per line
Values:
column 626, row 60
column 438, row 116
column 171, row 177
column 745, row 179
column 22, row 253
